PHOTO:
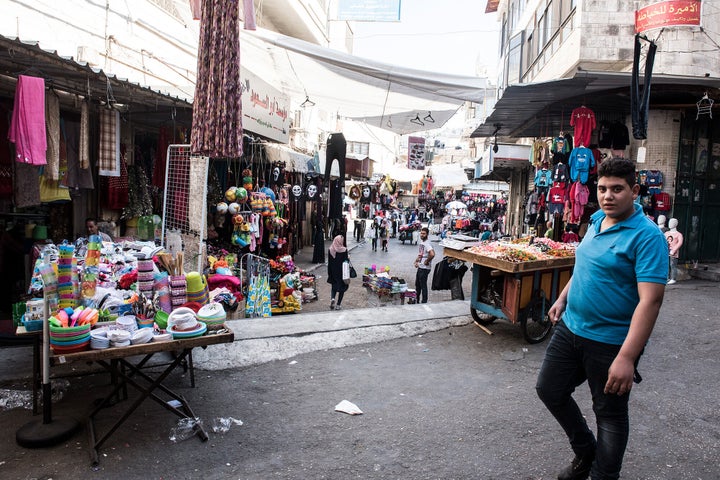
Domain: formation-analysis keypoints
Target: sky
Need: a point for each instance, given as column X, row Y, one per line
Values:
column 433, row 35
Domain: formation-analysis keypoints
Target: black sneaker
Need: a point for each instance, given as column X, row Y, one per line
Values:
column 579, row 468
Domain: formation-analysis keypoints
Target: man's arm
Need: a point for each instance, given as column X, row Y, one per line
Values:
column 431, row 255
column 620, row 374
column 558, row 307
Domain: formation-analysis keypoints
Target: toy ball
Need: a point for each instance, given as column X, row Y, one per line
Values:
column 222, row 207
column 268, row 191
column 241, row 195
column 234, row 208
column 230, row 194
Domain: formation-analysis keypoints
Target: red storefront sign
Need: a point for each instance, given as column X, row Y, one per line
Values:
column 679, row 13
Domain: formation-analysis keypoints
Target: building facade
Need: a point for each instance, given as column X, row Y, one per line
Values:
column 558, row 55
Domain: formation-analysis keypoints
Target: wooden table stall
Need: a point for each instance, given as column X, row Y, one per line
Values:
column 521, row 292
column 125, row 366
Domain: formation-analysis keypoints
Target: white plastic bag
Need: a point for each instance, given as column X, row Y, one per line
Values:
column 346, row 272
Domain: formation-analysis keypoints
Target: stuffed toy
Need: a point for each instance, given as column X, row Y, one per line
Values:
column 247, row 179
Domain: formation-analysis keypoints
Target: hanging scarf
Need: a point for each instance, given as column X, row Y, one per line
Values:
column 337, row 246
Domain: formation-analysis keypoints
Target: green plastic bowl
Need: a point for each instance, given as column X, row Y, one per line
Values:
column 161, row 318
column 77, row 329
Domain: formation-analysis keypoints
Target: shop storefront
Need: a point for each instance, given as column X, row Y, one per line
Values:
column 583, row 120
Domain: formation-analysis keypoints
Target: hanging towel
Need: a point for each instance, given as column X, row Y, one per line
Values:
column 109, row 154
column 52, row 125
column 84, row 142
column 26, row 185
column 27, row 127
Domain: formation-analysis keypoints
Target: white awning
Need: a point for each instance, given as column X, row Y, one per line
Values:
column 449, row 175
column 294, row 161
column 401, row 100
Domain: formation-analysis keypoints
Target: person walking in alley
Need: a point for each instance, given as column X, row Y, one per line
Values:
column 624, row 256
column 384, row 233
column 426, row 253
column 337, row 254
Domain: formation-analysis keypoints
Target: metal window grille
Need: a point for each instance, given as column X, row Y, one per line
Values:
column 184, row 219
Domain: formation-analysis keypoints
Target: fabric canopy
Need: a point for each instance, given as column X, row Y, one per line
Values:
column 401, row 100
column 449, row 175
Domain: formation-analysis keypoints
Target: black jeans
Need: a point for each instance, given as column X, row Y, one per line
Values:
column 421, row 288
column 569, row 361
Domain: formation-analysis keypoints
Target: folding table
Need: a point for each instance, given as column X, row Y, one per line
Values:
column 125, row 364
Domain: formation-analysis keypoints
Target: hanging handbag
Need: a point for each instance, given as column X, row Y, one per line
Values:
column 353, row 273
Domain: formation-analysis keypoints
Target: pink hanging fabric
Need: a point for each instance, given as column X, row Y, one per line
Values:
column 27, row 127
column 196, row 8
column 249, row 15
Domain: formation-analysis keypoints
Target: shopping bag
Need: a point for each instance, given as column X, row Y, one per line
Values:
column 353, row 273
column 346, row 271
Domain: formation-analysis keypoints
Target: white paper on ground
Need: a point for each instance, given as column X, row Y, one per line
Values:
column 348, row 407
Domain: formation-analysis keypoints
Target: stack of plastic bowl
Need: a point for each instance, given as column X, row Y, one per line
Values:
column 69, row 339
column 213, row 315
column 161, row 319
column 99, row 339
column 119, row 337
column 143, row 335
column 182, row 323
column 127, row 322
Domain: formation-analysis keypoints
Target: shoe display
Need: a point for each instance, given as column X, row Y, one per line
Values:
column 332, row 304
column 579, row 468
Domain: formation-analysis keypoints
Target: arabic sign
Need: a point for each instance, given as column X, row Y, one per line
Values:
column 369, row 10
column 264, row 109
column 668, row 14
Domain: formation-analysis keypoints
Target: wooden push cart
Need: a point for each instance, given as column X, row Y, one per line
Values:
column 519, row 292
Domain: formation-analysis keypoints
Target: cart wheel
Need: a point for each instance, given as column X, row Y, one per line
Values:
column 481, row 318
column 535, row 323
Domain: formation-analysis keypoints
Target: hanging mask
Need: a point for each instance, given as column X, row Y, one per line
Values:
column 366, row 192
column 276, row 174
column 297, row 192
column 312, row 192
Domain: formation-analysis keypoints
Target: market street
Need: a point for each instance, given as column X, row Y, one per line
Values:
column 453, row 404
column 399, row 258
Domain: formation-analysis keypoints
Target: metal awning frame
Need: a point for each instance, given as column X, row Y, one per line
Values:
column 543, row 109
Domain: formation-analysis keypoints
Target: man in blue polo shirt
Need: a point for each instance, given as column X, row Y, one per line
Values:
column 603, row 318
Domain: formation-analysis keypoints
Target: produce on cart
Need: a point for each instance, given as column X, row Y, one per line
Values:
column 517, row 280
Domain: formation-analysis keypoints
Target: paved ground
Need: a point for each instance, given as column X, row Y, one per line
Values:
column 451, row 404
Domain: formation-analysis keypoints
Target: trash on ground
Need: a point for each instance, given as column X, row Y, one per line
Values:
column 348, row 407
column 223, row 424
column 186, row 428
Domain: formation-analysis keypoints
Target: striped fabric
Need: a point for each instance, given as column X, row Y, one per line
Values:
column 109, row 150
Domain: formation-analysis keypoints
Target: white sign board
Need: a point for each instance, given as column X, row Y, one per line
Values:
column 264, row 109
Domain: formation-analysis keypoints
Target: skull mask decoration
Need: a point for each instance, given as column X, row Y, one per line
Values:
column 311, row 191
column 276, row 174
column 297, row 192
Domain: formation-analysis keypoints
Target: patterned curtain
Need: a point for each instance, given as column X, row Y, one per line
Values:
column 217, row 110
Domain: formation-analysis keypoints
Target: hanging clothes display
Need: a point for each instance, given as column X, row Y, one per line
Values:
column 27, row 126
column 640, row 104
column 583, row 119
column 52, row 127
column 217, row 110
column 257, row 273
column 109, row 145
column 580, row 163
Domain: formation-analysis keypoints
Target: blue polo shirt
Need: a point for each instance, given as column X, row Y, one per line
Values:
column 608, row 266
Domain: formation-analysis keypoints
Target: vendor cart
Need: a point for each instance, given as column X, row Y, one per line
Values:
column 521, row 292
